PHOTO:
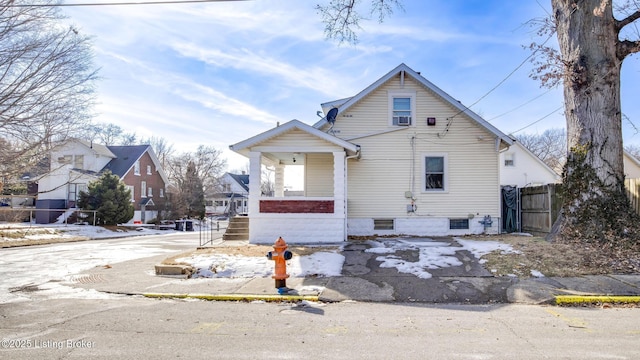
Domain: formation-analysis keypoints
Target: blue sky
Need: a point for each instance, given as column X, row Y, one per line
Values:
column 218, row 73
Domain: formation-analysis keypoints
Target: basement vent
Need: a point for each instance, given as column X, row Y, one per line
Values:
column 383, row 224
column 458, row 224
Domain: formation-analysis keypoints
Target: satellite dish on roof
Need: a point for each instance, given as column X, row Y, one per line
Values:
column 331, row 115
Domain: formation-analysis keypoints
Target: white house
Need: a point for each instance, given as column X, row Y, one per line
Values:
column 234, row 196
column 631, row 166
column 400, row 157
column 519, row 167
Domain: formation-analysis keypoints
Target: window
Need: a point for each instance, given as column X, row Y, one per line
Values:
column 435, row 173
column 78, row 162
column 66, row 159
column 161, row 192
column 458, row 224
column 401, row 111
column 509, row 159
column 383, row 224
column 136, row 168
column 150, row 192
column 143, row 188
column 401, row 108
column 131, row 189
column 226, row 187
column 148, row 169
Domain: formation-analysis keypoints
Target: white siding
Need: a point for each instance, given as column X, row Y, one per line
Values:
column 54, row 184
column 527, row 170
column 390, row 165
column 296, row 139
column 631, row 168
column 319, row 175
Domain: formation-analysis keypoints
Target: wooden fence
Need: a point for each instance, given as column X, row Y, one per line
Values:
column 633, row 191
column 540, row 205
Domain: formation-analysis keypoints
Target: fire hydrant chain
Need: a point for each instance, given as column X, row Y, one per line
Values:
column 280, row 255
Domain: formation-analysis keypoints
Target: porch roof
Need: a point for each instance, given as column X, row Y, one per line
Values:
column 244, row 147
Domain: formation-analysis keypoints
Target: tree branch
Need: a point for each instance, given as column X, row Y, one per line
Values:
column 628, row 20
column 626, row 47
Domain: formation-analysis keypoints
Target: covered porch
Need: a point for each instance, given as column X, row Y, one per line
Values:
column 320, row 214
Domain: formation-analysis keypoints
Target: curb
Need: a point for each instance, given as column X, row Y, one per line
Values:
column 595, row 299
column 234, row 297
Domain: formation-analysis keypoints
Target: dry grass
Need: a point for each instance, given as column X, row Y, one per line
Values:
column 247, row 250
column 555, row 259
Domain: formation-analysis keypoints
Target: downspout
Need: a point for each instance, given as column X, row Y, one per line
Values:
column 346, row 193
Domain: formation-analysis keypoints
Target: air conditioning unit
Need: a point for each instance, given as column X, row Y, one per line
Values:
column 404, row 120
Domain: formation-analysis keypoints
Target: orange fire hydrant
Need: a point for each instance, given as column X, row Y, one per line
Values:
column 280, row 255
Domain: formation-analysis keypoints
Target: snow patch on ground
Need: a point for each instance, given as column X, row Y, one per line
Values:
column 321, row 263
column 431, row 254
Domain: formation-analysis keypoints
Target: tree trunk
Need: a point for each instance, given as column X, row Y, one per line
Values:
column 595, row 205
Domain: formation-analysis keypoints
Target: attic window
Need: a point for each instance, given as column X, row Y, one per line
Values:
column 136, row 168
column 383, row 224
column 509, row 159
column 401, row 108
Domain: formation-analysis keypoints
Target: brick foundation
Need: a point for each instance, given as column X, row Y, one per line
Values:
column 297, row 206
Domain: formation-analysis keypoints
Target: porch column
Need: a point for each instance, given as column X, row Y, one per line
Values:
column 279, row 186
column 255, row 166
column 339, row 195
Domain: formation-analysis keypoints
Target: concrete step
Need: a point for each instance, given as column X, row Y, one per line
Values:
column 238, row 236
column 238, row 229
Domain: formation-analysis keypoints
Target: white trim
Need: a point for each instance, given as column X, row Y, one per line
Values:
column 249, row 144
column 392, row 94
column 445, row 179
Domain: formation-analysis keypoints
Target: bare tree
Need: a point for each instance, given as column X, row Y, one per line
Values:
column 208, row 165
column 634, row 150
column 550, row 147
column 46, row 83
column 593, row 45
column 340, row 17
column 162, row 148
column 109, row 134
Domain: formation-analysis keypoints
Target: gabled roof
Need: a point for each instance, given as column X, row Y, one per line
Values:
column 242, row 180
column 344, row 105
column 632, row 158
column 536, row 158
column 243, row 146
column 98, row 148
column 126, row 157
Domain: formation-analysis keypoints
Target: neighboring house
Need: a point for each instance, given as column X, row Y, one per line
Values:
column 631, row 166
column 519, row 167
column 77, row 162
column 401, row 157
column 233, row 198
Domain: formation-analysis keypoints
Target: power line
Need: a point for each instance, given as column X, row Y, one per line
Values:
column 537, row 121
column 450, row 119
column 520, row 106
column 119, row 3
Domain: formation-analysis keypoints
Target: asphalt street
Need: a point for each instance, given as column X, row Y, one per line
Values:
column 139, row 328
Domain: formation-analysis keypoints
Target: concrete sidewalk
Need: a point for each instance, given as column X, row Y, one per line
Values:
column 364, row 280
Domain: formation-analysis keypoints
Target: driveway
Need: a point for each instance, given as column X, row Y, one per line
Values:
column 417, row 269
